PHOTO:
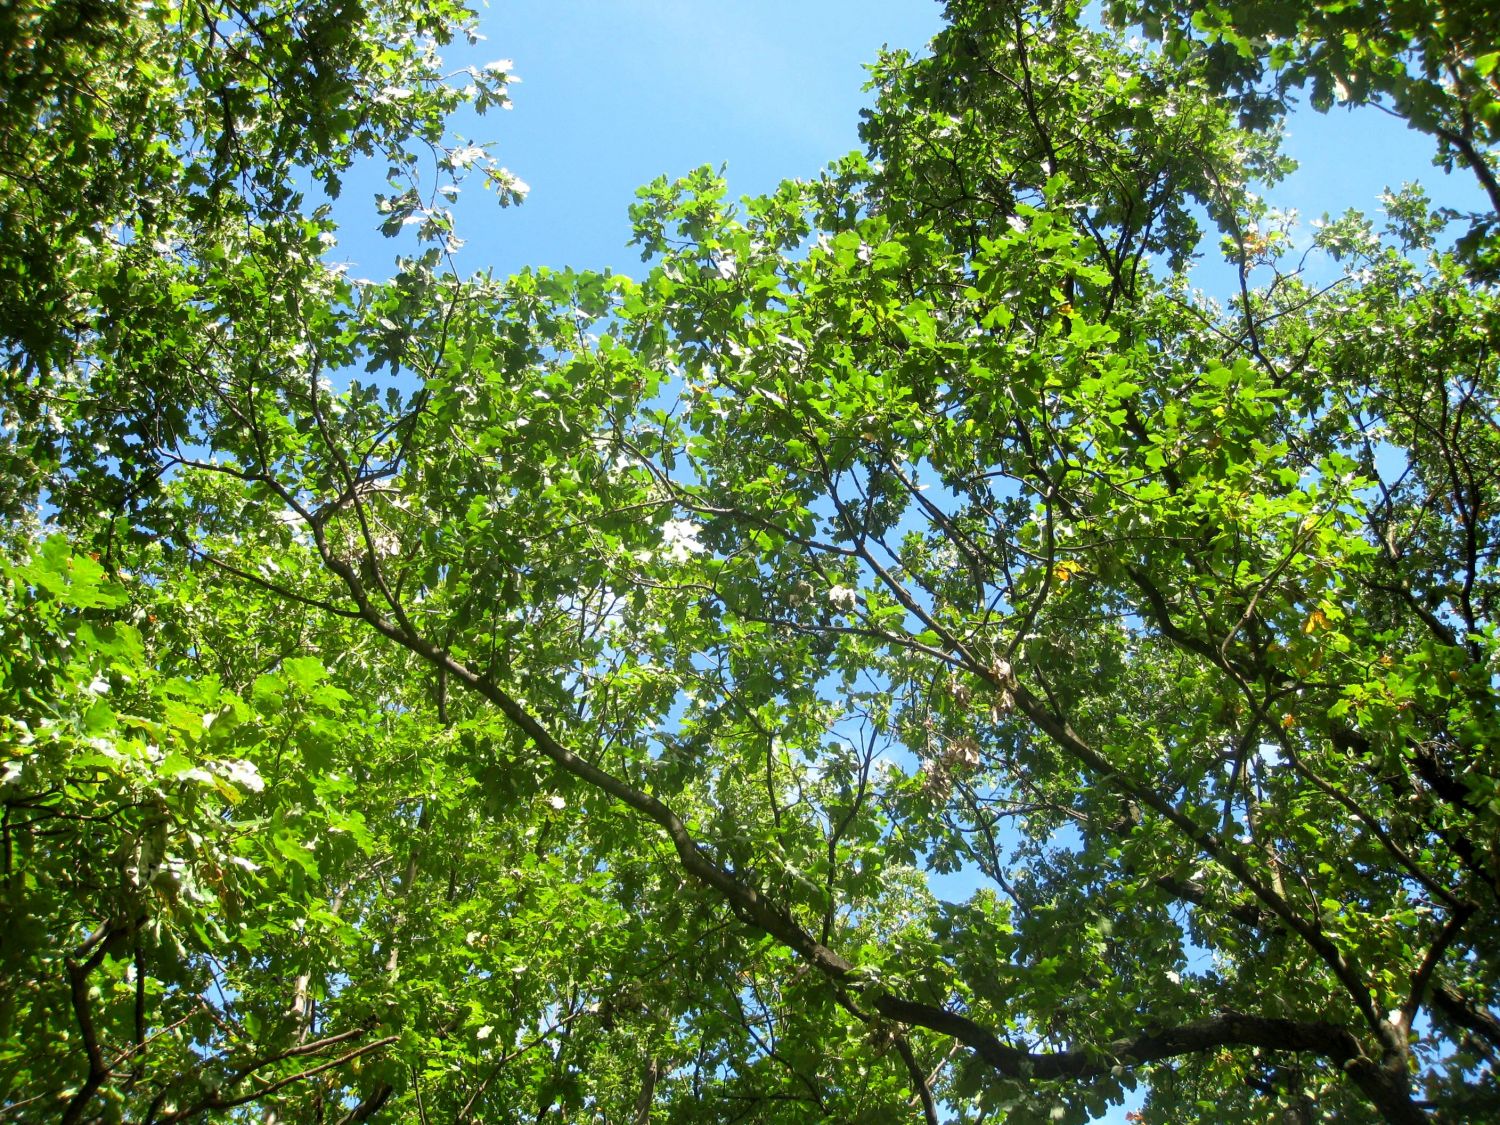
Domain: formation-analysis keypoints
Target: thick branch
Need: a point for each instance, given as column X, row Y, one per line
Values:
column 1454, row 1006
column 1334, row 1043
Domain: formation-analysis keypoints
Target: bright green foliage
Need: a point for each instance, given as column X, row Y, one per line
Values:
column 555, row 698
column 164, row 174
column 1437, row 65
column 147, row 868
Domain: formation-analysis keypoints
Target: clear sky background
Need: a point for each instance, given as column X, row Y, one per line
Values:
column 615, row 93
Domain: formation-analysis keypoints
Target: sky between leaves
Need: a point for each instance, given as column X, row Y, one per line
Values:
column 614, row 93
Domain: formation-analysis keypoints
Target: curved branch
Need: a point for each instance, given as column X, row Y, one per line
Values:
column 1332, row 1042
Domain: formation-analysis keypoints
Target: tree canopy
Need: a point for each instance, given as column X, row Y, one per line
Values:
column 456, row 698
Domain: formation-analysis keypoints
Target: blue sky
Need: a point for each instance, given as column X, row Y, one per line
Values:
column 614, row 93
column 617, row 92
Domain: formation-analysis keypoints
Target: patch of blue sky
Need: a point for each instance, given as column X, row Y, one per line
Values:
column 613, row 95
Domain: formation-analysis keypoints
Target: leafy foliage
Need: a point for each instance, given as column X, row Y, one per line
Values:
column 1432, row 64
column 564, row 695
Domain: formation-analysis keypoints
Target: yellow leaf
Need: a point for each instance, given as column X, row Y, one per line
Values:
column 1316, row 620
